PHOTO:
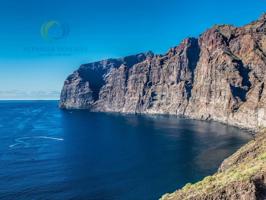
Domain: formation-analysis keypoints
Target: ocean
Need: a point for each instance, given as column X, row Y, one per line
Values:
column 50, row 154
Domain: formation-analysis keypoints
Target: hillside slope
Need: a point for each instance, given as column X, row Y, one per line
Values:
column 241, row 177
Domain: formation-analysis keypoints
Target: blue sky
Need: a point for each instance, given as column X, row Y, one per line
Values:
column 32, row 67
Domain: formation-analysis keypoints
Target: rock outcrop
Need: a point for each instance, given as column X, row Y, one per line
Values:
column 241, row 177
column 218, row 76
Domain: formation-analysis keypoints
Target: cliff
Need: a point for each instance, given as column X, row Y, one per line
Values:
column 219, row 76
column 241, row 176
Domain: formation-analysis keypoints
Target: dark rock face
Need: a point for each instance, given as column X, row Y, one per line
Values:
column 219, row 76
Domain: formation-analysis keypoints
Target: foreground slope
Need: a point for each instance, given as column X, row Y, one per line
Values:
column 218, row 76
column 241, row 176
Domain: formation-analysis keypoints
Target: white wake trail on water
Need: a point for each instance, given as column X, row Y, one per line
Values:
column 22, row 141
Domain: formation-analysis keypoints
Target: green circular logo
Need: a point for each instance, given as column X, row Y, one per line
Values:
column 53, row 30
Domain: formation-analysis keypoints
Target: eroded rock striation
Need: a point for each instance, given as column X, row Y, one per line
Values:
column 218, row 76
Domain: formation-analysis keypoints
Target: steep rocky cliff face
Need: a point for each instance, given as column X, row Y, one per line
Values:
column 218, row 76
column 241, row 177
column 85, row 87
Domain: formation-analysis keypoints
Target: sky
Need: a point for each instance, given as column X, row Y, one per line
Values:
column 42, row 42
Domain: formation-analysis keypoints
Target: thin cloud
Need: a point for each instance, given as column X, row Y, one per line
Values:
column 38, row 95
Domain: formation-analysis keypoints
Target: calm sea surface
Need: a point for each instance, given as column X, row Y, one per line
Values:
column 49, row 154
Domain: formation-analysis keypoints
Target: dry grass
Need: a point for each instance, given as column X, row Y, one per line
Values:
column 247, row 167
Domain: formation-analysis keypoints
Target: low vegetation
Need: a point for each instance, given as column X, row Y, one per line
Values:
column 239, row 169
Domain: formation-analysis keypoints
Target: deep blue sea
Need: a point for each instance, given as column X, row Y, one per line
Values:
column 50, row 154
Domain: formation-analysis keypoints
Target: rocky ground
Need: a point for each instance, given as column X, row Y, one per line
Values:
column 241, row 177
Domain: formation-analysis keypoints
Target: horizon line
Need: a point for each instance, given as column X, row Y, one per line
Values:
column 29, row 99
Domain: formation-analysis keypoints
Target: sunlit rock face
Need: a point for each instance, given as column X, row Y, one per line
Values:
column 84, row 87
column 218, row 76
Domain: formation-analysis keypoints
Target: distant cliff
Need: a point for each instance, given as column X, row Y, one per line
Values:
column 218, row 76
column 241, row 177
